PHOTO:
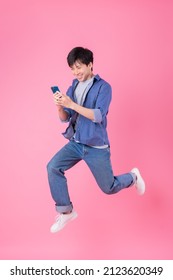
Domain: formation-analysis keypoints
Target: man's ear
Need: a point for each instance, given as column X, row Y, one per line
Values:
column 90, row 65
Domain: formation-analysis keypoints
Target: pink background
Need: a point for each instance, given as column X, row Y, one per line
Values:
column 132, row 42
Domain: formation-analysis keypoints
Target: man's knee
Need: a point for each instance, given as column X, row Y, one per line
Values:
column 53, row 167
column 109, row 189
column 50, row 167
column 106, row 189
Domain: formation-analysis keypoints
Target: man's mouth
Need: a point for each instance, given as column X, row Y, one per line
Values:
column 79, row 76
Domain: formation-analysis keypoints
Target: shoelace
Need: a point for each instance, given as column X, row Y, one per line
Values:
column 58, row 217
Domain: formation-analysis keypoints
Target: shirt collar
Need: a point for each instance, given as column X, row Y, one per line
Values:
column 75, row 81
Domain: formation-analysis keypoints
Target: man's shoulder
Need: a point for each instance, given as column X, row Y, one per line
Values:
column 101, row 81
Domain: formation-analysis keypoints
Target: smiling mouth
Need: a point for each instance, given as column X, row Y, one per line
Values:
column 79, row 77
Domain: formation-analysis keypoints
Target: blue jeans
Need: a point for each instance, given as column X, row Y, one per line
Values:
column 98, row 160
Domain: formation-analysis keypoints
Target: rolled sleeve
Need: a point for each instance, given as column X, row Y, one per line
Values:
column 97, row 116
column 104, row 99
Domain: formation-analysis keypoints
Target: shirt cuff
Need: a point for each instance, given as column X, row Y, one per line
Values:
column 97, row 116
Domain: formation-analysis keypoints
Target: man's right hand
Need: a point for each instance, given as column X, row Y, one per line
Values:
column 56, row 97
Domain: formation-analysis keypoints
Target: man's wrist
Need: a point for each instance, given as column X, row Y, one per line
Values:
column 72, row 105
column 60, row 108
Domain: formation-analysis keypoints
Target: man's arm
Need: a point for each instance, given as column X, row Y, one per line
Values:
column 63, row 115
column 62, row 100
column 88, row 113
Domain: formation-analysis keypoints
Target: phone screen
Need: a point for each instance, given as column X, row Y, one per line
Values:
column 54, row 89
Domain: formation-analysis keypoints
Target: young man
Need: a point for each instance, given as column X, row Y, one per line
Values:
column 85, row 107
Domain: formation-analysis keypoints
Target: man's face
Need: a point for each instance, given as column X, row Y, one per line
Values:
column 81, row 71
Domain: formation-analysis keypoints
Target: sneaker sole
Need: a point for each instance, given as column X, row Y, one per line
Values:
column 140, row 191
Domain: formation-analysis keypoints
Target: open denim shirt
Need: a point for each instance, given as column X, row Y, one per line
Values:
column 88, row 132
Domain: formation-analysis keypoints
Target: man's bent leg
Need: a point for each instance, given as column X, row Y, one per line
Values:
column 99, row 163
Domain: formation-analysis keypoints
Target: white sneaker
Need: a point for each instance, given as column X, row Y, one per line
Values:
column 62, row 220
column 140, row 184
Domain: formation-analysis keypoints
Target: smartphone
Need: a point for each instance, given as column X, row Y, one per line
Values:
column 55, row 89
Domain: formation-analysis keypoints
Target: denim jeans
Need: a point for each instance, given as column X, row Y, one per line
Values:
column 98, row 160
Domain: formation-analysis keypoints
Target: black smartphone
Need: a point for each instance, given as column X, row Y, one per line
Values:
column 55, row 89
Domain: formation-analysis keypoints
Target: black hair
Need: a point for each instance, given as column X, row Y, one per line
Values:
column 84, row 55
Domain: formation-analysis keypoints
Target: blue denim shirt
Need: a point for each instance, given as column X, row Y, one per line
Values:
column 88, row 132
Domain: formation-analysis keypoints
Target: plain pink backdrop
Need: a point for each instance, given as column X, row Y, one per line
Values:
column 132, row 43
